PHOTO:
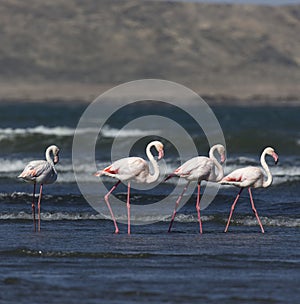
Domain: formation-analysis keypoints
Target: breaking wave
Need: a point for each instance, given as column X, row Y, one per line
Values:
column 275, row 221
column 62, row 131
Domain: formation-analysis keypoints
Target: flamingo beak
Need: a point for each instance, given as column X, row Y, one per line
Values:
column 223, row 158
column 56, row 159
column 160, row 154
column 276, row 158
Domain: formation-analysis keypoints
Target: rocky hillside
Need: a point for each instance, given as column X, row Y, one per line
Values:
column 216, row 49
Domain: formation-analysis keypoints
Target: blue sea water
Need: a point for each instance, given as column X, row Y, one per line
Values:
column 76, row 258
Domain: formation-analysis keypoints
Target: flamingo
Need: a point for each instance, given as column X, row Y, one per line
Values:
column 198, row 169
column 41, row 172
column 132, row 169
column 250, row 177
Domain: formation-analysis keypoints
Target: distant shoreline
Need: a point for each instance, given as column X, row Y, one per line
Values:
column 230, row 54
column 210, row 100
column 75, row 93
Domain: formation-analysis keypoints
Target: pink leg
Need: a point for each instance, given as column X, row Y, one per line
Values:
column 39, row 208
column 109, row 208
column 198, row 207
column 176, row 206
column 33, row 208
column 232, row 208
column 128, row 208
column 254, row 210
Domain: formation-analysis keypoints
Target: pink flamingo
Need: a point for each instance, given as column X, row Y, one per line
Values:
column 41, row 172
column 250, row 177
column 132, row 169
column 198, row 169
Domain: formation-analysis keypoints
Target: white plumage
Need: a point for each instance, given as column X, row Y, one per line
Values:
column 198, row 169
column 41, row 172
column 132, row 169
column 251, row 177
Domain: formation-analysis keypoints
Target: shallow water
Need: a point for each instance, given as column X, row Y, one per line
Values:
column 83, row 261
column 76, row 257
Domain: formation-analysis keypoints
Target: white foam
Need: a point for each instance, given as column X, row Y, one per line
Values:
column 11, row 165
column 67, row 131
column 48, row 216
column 269, row 221
column 14, row 194
column 59, row 131
column 279, row 221
column 112, row 132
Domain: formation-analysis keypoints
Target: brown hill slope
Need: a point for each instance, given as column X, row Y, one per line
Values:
column 216, row 49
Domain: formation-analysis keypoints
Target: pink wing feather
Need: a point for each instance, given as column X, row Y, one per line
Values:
column 244, row 177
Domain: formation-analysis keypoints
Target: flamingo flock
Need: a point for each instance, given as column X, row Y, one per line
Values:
column 136, row 169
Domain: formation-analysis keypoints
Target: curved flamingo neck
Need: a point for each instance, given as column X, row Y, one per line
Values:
column 217, row 164
column 268, row 181
column 48, row 156
column 152, row 177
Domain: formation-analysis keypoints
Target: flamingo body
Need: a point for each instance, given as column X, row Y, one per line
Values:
column 245, row 177
column 41, row 172
column 129, row 168
column 134, row 169
column 250, row 177
column 199, row 168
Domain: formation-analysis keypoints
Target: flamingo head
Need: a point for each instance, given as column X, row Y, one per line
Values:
column 270, row 151
column 55, row 151
column 160, row 149
column 222, row 152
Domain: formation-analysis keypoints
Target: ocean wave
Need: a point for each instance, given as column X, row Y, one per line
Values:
column 279, row 221
column 113, row 132
column 15, row 194
column 11, row 165
column 106, row 131
column 81, row 216
column 274, row 221
column 58, row 131
column 52, row 216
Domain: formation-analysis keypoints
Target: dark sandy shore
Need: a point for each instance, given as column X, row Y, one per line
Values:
column 86, row 93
